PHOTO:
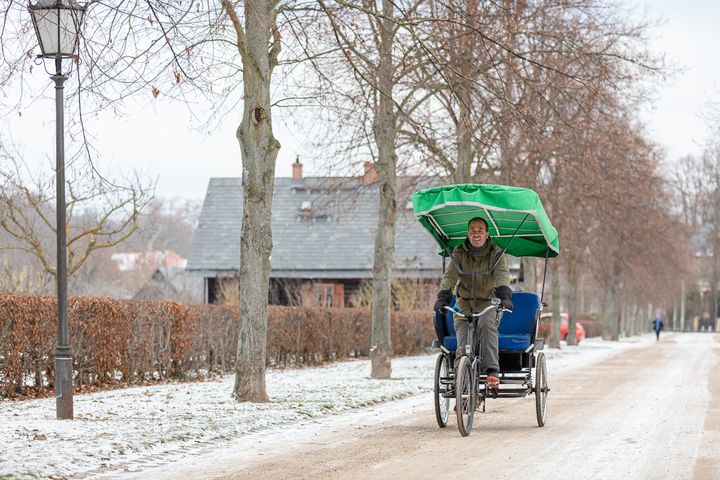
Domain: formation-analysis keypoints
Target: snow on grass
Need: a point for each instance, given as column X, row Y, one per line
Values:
column 125, row 429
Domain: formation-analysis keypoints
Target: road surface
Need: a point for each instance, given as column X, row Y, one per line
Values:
column 651, row 412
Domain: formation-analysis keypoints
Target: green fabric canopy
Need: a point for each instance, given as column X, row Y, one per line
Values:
column 446, row 211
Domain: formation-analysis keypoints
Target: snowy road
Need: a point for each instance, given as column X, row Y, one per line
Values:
column 649, row 412
column 630, row 409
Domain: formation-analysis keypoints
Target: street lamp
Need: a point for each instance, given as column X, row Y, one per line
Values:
column 57, row 26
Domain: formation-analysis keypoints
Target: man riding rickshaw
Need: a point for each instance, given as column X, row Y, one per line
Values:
column 481, row 356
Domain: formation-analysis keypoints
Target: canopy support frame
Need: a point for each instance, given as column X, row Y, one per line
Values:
column 542, row 291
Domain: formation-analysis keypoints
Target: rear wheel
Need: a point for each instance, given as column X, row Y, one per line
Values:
column 465, row 395
column 541, row 389
column 442, row 387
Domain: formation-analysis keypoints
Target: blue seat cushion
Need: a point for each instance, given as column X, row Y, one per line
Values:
column 445, row 328
column 450, row 342
column 514, row 342
column 517, row 328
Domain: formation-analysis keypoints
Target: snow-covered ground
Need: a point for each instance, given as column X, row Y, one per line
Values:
column 132, row 429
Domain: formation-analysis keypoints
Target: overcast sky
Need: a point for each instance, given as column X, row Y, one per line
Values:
column 690, row 36
column 161, row 140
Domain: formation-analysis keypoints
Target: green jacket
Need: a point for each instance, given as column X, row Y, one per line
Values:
column 471, row 261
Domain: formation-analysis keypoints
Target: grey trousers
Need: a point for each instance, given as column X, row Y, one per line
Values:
column 486, row 337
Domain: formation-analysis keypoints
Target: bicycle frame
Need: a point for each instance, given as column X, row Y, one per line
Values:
column 469, row 350
column 472, row 328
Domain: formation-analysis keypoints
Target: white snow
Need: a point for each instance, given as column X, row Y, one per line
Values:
column 132, row 429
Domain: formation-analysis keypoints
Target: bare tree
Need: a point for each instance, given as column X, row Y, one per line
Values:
column 711, row 200
column 96, row 218
column 167, row 224
column 698, row 183
column 18, row 277
column 529, row 87
column 635, row 247
column 711, row 164
column 190, row 52
column 377, row 60
column 505, row 73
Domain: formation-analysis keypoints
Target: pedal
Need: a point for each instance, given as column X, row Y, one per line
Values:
column 480, row 402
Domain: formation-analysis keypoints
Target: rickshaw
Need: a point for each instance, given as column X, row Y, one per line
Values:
column 517, row 224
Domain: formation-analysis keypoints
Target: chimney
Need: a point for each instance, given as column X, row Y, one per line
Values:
column 371, row 175
column 297, row 169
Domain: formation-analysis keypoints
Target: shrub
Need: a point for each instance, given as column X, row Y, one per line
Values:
column 119, row 342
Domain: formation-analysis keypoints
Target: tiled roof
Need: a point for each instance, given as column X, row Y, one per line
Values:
column 322, row 227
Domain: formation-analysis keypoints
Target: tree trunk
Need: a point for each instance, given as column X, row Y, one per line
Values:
column 610, row 317
column 259, row 150
column 610, row 307
column 530, row 275
column 463, row 172
column 682, row 306
column 572, row 303
column 385, row 132
column 555, row 296
column 637, row 325
column 714, row 274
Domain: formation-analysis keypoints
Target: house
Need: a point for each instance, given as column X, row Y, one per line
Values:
column 323, row 237
column 158, row 287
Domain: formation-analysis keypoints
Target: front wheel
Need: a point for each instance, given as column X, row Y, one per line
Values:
column 442, row 387
column 465, row 396
column 541, row 389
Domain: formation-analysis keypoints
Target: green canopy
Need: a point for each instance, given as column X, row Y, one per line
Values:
column 446, row 211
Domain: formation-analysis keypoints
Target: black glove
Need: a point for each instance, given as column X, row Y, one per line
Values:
column 443, row 300
column 504, row 293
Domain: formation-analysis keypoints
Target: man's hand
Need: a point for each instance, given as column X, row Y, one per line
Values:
column 504, row 293
column 443, row 300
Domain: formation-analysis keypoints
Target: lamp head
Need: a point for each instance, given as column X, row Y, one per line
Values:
column 57, row 26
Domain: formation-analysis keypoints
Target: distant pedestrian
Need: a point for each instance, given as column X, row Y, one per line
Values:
column 657, row 326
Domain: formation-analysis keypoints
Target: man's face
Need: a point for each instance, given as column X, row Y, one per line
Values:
column 477, row 233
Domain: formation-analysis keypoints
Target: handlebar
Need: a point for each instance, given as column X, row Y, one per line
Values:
column 496, row 304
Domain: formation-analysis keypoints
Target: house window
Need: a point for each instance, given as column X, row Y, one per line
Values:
column 324, row 294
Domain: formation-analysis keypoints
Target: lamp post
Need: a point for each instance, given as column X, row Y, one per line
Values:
column 57, row 26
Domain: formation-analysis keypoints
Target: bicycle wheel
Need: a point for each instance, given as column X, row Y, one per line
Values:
column 541, row 389
column 442, row 387
column 465, row 395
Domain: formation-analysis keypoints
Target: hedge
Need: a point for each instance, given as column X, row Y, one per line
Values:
column 122, row 342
